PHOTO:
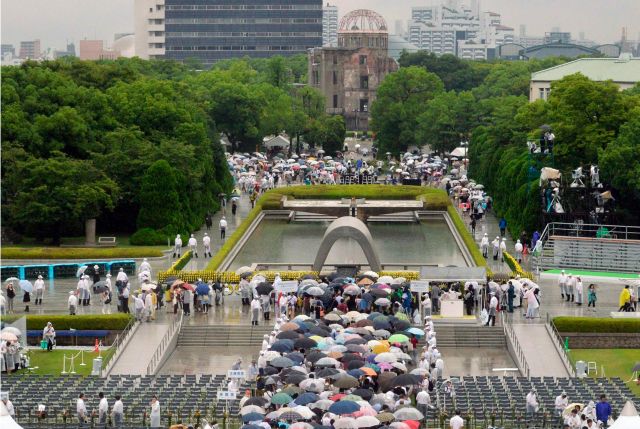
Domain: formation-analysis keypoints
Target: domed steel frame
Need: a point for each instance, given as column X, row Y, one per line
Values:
column 363, row 20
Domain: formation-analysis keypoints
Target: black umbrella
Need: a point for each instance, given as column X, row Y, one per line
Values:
column 264, row 288
column 365, row 394
column 270, row 370
column 304, row 343
column 326, row 372
column 334, row 275
column 401, row 325
column 406, row 380
column 100, row 287
column 348, row 357
column 282, row 346
column 378, row 293
column 295, row 378
column 315, row 356
column 381, row 324
column 296, row 357
column 368, row 297
column 355, row 364
column 261, row 401
column 288, row 335
column 356, row 341
column 319, row 331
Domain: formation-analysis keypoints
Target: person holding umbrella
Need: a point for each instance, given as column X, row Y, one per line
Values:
column 27, row 288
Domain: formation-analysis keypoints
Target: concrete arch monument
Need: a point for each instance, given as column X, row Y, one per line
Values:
column 350, row 227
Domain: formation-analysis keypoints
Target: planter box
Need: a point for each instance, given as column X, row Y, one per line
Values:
column 587, row 340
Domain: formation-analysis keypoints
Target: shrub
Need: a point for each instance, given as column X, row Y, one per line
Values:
column 112, row 322
column 182, row 261
column 78, row 252
column 147, row 237
column 597, row 325
column 467, row 238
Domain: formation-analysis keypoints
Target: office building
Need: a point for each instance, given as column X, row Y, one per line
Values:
column 349, row 75
column 214, row 30
column 330, row 25
column 69, row 52
column 30, row 49
column 8, row 49
column 95, row 50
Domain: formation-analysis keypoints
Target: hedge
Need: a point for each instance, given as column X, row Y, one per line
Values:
column 114, row 322
column 597, row 325
column 233, row 278
column 147, row 237
column 476, row 255
column 181, row 262
column 78, row 252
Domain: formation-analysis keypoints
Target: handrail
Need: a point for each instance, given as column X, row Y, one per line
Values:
column 121, row 338
column 559, row 344
column 174, row 328
column 511, row 336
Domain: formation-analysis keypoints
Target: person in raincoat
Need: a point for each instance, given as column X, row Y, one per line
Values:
column 144, row 266
column 155, row 412
column 49, row 335
column 518, row 248
column 266, row 306
column 496, row 248
column 255, row 310
column 96, row 274
column 503, row 248
column 484, row 245
column 177, row 246
column 624, row 300
column 193, row 245
column 245, row 291
column 532, row 303
column 206, row 243
column 38, row 286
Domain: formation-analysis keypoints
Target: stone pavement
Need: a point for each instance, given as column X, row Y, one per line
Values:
column 539, row 350
column 137, row 355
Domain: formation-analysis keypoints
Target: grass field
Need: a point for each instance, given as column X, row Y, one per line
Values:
column 25, row 252
column 51, row 362
column 616, row 362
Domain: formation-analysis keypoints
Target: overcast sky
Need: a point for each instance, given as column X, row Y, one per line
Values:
column 55, row 21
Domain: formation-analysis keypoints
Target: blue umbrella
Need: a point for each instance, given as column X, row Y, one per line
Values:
column 344, row 407
column 26, row 286
column 202, row 288
column 306, row 398
column 282, row 346
column 357, row 373
column 252, row 417
column 252, row 426
column 415, row 331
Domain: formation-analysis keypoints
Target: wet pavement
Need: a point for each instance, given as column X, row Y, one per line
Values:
column 207, row 360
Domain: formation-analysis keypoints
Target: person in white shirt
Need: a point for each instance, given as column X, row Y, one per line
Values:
column 144, row 266
column 177, row 246
column 519, row 248
column 103, row 409
column 426, row 305
column 38, row 286
column 138, row 306
column 118, row 413
column 532, row 403
column 193, row 245
column 456, row 421
column 206, row 243
column 503, row 248
column 282, row 303
column 493, row 310
column 223, row 228
column 484, row 245
column 81, row 409
column 155, row 412
column 562, row 282
column 256, row 306
column 149, row 308
column 73, row 303
column 122, row 276
column 561, row 403
column 573, row 420
column 579, row 290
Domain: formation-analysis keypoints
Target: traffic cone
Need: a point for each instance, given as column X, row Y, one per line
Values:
column 96, row 348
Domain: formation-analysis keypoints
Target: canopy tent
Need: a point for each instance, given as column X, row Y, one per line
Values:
column 548, row 173
column 459, row 152
column 277, row 141
column 628, row 419
column 454, row 274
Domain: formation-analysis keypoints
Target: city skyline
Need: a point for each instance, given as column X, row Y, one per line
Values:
column 73, row 20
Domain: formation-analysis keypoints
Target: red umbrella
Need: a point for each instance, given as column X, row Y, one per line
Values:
column 188, row 286
column 413, row 424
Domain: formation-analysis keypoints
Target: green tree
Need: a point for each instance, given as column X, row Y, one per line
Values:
column 447, row 120
column 456, row 74
column 401, row 98
column 56, row 195
column 160, row 206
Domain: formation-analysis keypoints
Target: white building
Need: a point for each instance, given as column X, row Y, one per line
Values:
column 330, row 25
column 149, row 25
column 624, row 71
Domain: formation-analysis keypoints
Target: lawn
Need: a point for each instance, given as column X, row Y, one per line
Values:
column 616, row 362
column 26, row 252
column 51, row 362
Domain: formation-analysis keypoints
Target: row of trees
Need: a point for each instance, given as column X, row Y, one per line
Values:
column 440, row 101
column 136, row 143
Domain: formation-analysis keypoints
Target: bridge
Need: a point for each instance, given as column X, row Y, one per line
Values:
column 364, row 208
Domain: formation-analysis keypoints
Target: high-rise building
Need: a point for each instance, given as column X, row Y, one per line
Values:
column 349, row 75
column 8, row 49
column 330, row 25
column 214, row 30
column 557, row 37
column 95, row 50
column 69, row 52
column 30, row 49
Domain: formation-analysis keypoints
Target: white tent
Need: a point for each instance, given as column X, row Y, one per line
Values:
column 628, row 419
column 6, row 421
column 277, row 141
column 459, row 152
column 548, row 173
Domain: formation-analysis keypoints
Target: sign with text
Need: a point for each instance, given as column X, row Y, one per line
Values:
column 236, row 373
column 420, row 286
column 288, row 286
column 226, row 395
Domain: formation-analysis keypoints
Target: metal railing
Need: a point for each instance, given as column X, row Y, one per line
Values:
column 559, row 344
column 512, row 338
column 174, row 329
column 121, row 340
column 591, row 230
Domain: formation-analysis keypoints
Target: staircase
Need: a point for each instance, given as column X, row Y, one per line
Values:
column 222, row 335
column 406, row 217
column 576, row 247
column 467, row 335
column 312, row 217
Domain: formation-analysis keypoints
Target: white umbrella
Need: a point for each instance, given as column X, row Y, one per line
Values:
column 322, row 404
column 367, row 421
column 304, row 411
column 243, row 269
column 251, row 409
column 345, row 423
column 371, row 274
column 385, row 279
column 12, row 279
column 408, row 413
column 386, row 358
column 382, row 302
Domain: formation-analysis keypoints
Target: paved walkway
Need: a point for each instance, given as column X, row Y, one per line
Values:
column 540, row 352
column 138, row 353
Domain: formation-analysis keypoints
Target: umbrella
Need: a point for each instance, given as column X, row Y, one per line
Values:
column 322, row 404
column 379, row 293
column 290, row 326
column 304, row 411
column 100, row 287
column 26, row 286
column 281, row 362
column 365, row 281
column 253, row 408
column 415, row 331
column 288, row 335
column 314, row 291
column 385, row 279
column 386, row 357
column 290, row 415
column 301, row 425
column 327, row 361
column 372, row 274
column 344, row 407
column 281, row 398
column 345, row 423
column 367, row 422
column 383, row 302
column 352, row 290
column 176, row 283
column 243, row 270
column 12, row 329
column 252, row 417
column 385, row 417
column 408, row 413
column 567, row 410
column 333, row 317
column 406, row 380
column 149, row 286
column 306, row 398
column 12, row 279
column 264, row 288
column 202, row 288
column 327, row 372
column 291, row 390
column 398, row 338
column 346, row 382
column 8, row 336
column 282, row 346
column 304, row 343
column 81, row 270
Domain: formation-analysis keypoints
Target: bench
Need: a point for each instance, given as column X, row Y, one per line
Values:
column 107, row 241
